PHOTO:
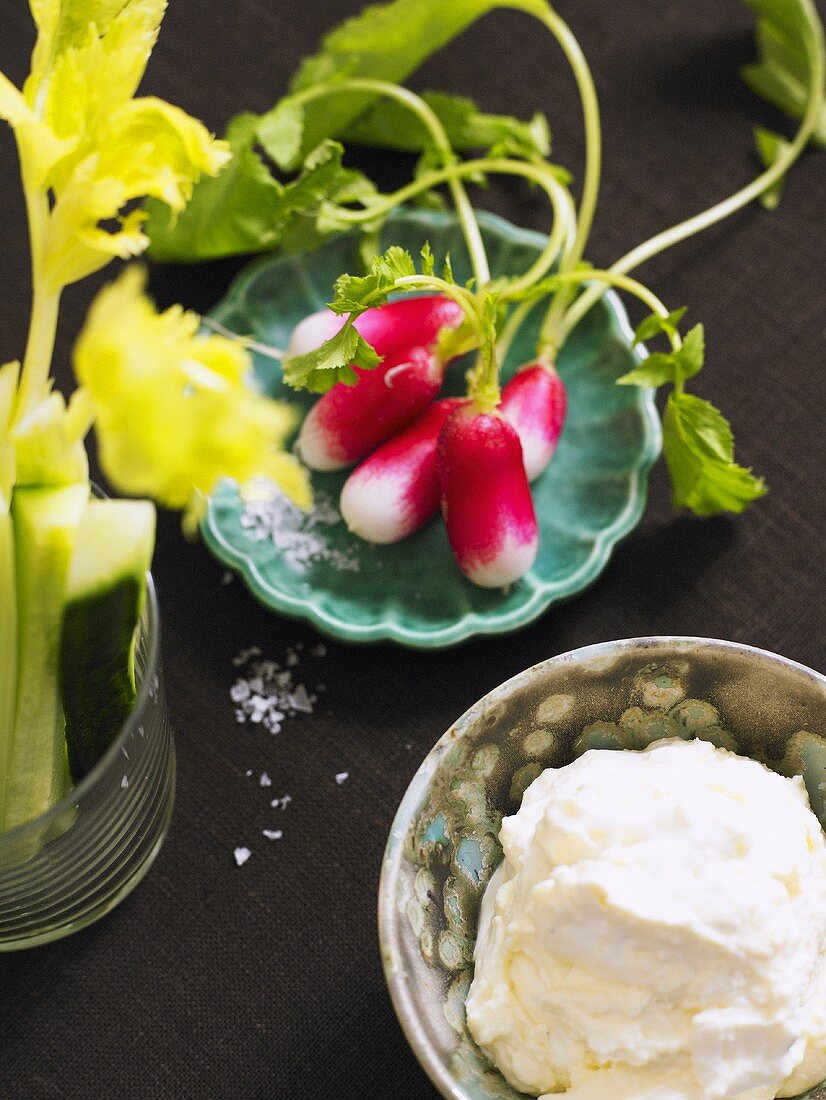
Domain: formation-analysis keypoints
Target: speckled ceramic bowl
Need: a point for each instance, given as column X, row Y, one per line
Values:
column 443, row 849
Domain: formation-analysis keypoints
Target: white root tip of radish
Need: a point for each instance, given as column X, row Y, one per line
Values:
column 536, row 454
column 312, row 447
column 372, row 510
column 311, row 333
column 512, row 562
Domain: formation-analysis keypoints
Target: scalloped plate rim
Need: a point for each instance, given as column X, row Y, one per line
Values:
column 472, row 624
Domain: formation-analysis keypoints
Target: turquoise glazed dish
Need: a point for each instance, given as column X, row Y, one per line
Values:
column 443, row 845
column 592, row 494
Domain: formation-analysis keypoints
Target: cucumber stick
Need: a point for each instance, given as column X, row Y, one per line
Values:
column 46, row 523
column 104, row 597
column 8, row 648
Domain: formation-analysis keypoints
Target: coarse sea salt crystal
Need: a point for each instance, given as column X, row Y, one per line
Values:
column 265, row 780
column 273, row 834
column 268, row 515
column 342, row 777
column 241, row 856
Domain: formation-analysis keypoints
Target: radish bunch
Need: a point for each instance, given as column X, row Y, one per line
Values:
column 416, row 454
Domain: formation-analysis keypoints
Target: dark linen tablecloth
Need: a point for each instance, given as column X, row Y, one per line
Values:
column 219, row 981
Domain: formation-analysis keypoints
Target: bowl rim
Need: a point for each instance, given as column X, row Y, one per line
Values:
column 395, row 974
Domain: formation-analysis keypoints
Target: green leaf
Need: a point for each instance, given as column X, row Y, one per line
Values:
column 654, row 371
column 673, row 366
column 355, row 292
column 390, row 125
column 244, row 208
column 789, row 34
column 699, row 452
column 236, row 211
column 384, row 42
column 428, row 260
column 281, row 131
column 770, row 146
column 691, row 355
column 654, row 324
column 319, row 370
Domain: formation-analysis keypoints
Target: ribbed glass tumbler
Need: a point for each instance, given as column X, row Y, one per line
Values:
column 70, row 866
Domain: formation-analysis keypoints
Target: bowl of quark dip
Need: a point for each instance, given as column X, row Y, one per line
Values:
column 608, row 880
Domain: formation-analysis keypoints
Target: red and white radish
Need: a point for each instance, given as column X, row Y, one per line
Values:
column 348, row 422
column 485, row 497
column 395, row 491
column 535, row 403
column 409, row 322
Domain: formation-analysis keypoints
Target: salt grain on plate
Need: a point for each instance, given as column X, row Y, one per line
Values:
column 265, row 780
column 281, row 803
column 273, row 834
column 268, row 515
column 241, row 856
column 342, row 777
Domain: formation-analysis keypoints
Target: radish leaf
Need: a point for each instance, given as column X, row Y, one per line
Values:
column 770, row 146
column 654, row 324
column 675, row 366
column 789, row 36
column 699, row 451
column 385, row 42
column 388, row 125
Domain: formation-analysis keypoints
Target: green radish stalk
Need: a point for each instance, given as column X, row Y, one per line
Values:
column 104, row 598
column 45, row 528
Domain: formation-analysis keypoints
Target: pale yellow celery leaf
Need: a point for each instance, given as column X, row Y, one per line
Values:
column 157, row 149
column 175, row 410
column 147, row 147
column 48, row 444
column 63, row 25
column 40, row 146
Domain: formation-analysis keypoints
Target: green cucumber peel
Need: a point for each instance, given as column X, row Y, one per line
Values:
column 104, row 597
column 46, row 522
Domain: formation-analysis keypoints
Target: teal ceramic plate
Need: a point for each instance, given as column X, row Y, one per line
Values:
column 592, row 494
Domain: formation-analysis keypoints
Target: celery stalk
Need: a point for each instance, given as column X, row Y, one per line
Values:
column 45, row 530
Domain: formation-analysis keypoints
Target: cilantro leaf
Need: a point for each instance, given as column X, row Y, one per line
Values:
column 699, row 451
column 319, row 370
column 354, row 293
column 789, row 32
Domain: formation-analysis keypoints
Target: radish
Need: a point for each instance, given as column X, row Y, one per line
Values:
column 406, row 323
column 350, row 421
column 395, row 491
column 485, row 497
column 535, row 402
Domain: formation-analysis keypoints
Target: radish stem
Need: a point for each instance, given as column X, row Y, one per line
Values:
column 431, row 121
column 555, row 330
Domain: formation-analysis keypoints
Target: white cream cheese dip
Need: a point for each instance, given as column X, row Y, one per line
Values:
column 656, row 931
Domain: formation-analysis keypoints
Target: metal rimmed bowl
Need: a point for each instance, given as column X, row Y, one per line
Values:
column 443, row 845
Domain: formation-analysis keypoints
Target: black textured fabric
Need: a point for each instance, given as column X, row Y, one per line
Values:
column 214, row 981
